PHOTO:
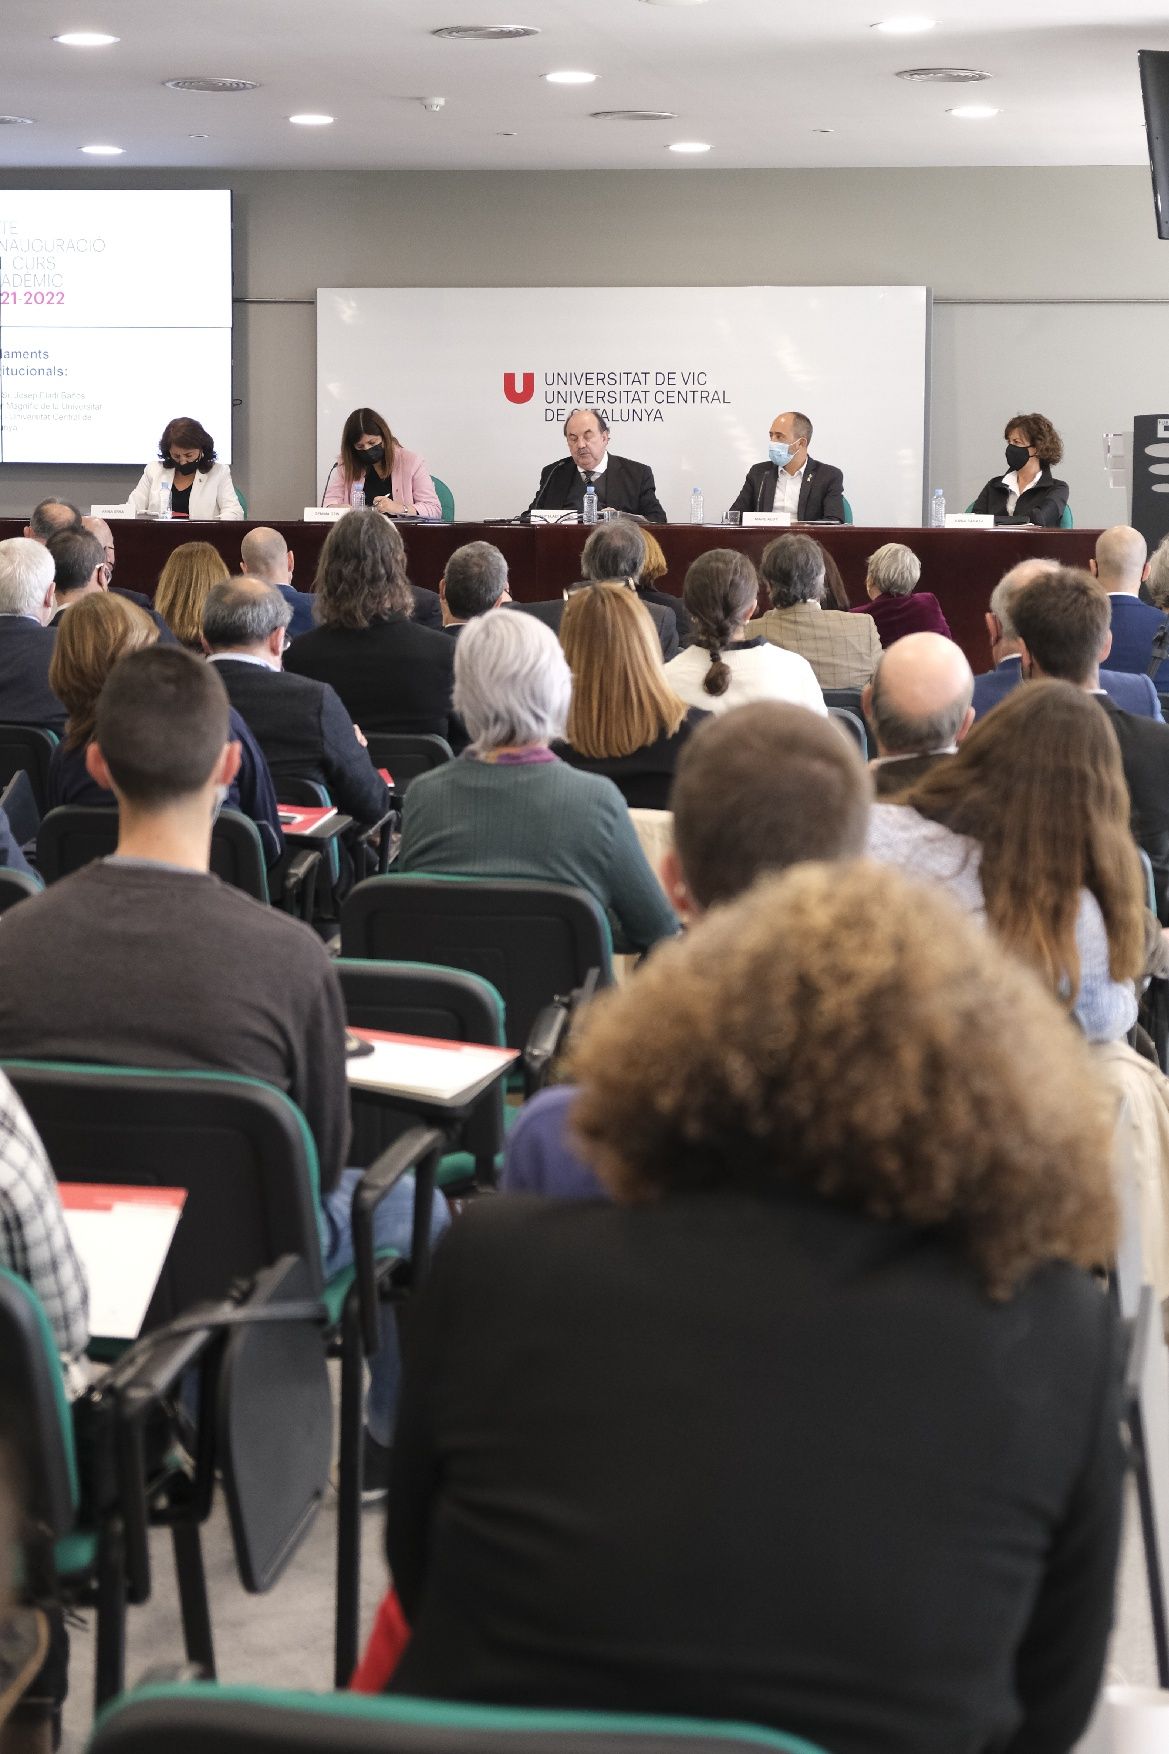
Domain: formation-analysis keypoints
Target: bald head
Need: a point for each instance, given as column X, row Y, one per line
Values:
column 49, row 516
column 99, row 528
column 246, row 615
column 264, row 554
column 1121, row 553
column 919, row 699
column 1004, row 637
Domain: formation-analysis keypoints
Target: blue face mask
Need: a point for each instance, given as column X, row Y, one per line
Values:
column 781, row 455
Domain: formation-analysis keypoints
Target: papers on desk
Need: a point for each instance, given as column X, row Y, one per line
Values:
column 446, row 1073
column 387, row 776
column 122, row 1236
column 304, row 818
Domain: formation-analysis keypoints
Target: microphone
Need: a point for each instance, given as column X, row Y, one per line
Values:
column 525, row 516
column 328, row 478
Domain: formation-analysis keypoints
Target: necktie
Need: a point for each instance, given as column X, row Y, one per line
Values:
column 590, row 477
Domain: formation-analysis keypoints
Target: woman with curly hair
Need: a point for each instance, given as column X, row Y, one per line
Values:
column 392, row 674
column 815, row 1425
column 723, row 667
column 1028, row 493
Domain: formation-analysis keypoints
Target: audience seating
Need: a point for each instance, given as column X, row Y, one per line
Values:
column 15, row 886
column 18, row 802
column 28, row 747
column 543, row 946
column 406, row 754
column 446, row 500
column 854, row 725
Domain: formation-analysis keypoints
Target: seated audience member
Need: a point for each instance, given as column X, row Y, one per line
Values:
column 87, row 649
column 722, row 667
column 1027, row 827
column 835, row 594
column 26, row 640
column 49, row 516
column 34, row 1239
column 613, row 554
column 474, row 580
column 918, row 708
column 895, row 606
column 392, row 674
column 828, row 1334
column 1120, row 565
column 145, row 959
column 508, row 807
column 265, row 555
column 842, row 649
column 756, row 791
column 300, row 725
column 624, row 720
column 190, row 571
column 79, row 567
column 654, row 569
column 1157, row 579
column 1062, row 622
column 99, row 528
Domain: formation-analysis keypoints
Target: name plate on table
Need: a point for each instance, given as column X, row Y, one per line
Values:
column 110, row 511
column 323, row 514
column 554, row 517
column 969, row 521
column 762, row 520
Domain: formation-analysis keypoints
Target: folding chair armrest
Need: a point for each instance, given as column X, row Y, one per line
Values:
column 419, row 1150
column 298, row 894
column 379, row 835
column 543, row 1044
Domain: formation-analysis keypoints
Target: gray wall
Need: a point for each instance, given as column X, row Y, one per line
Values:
column 1016, row 237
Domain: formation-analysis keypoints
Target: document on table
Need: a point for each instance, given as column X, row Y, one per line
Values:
column 122, row 1236
column 447, row 1073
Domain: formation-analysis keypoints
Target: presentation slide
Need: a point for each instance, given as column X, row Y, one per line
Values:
column 115, row 316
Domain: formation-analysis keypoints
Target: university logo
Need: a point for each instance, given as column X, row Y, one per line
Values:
column 524, row 390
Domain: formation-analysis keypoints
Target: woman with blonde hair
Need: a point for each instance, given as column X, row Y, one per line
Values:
column 624, row 719
column 647, row 582
column 183, row 584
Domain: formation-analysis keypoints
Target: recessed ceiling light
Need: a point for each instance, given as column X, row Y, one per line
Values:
column 689, row 146
column 104, row 151
column 16, row 122
column 909, row 26
column 823, row 130
column 85, row 39
column 942, row 75
column 568, row 76
column 974, row 112
column 634, row 115
column 198, row 83
column 505, row 134
column 196, row 136
column 485, row 33
column 309, row 120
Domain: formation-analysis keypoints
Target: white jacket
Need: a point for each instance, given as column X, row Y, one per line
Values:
column 212, row 495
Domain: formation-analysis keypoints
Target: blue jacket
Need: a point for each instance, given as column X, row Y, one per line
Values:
column 1133, row 694
column 1133, row 625
column 302, row 610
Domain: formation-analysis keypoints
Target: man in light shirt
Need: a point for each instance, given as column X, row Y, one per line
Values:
column 792, row 481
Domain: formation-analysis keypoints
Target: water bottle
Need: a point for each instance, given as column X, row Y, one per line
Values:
column 938, row 510
column 696, row 506
column 164, row 505
column 357, row 496
column 590, row 504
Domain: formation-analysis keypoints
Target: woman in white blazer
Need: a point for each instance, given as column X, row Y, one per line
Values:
column 198, row 487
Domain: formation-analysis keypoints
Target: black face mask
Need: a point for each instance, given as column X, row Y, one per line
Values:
column 184, row 468
column 1017, row 456
column 373, row 455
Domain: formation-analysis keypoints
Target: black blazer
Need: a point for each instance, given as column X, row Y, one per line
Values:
column 306, row 734
column 1144, row 750
column 165, row 636
column 552, row 612
column 646, row 777
column 626, row 485
column 1042, row 503
column 26, row 649
column 666, row 600
column 821, row 492
column 427, row 607
column 763, row 1459
column 392, row 676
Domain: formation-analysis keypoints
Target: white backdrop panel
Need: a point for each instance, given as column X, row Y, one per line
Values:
column 690, row 378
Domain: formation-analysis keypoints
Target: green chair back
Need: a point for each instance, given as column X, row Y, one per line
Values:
column 847, row 513
column 1066, row 521
column 242, row 497
column 446, row 500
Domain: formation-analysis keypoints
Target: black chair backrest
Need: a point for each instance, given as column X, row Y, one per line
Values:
column 74, row 835
column 19, row 804
column 32, row 1409
column 854, row 725
column 533, row 941
column 1146, row 1387
column 28, row 747
column 15, row 886
column 406, row 754
column 241, row 1149
column 847, row 698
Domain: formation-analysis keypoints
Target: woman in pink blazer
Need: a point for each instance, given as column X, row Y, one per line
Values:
column 373, row 469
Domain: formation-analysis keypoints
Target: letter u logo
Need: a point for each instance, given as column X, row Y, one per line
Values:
column 526, row 389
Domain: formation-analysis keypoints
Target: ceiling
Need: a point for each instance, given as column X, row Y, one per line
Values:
column 754, row 78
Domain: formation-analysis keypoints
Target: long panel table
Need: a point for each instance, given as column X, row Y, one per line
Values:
column 961, row 567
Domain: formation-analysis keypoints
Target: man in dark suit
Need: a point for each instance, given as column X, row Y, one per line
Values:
column 551, row 614
column 1062, row 620
column 1135, row 694
column 264, row 554
column 300, row 724
column 79, row 567
column 918, row 708
column 49, row 516
column 473, row 581
column 792, row 481
column 620, row 483
column 1120, row 565
column 26, row 640
column 99, row 528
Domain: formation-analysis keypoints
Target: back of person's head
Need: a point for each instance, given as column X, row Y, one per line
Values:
column 655, row 565
column 720, row 591
column 785, row 1044
column 361, row 574
column 614, row 551
column 1002, row 598
column 76, row 555
column 26, row 575
column 763, row 787
column 893, row 570
column 919, row 699
column 621, row 698
column 1039, row 784
column 1063, row 618
column 161, row 725
column 51, row 515
column 474, row 579
column 190, row 571
column 1158, row 585
column 512, row 684
column 264, row 554
column 98, row 630
column 792, row 568
column 243, row 612
column 1121, row 553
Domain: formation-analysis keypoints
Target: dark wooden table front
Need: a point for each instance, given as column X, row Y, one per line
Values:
column 961, row 567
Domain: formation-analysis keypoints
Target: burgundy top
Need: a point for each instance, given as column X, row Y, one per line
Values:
column 920, row 612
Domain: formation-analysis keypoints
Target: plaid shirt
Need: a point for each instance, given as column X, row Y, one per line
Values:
column 842, row 649
column 34, row 1242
